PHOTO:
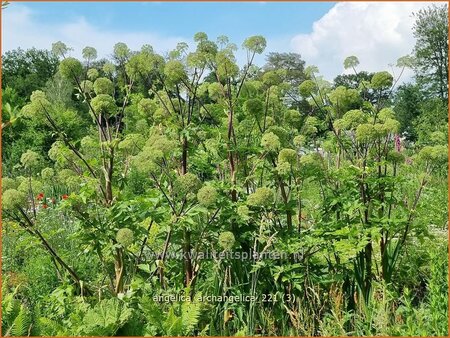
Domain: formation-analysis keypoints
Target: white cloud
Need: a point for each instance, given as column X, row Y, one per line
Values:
column 377, row 33
column 22, row 29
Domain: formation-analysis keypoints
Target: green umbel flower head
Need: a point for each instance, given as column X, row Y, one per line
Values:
column 284, row 168
column 47, row 174
column 174, row 72
column 188, row 183
column 39, row 97
column 243, row 212
column 59, row 48
column 382, row 80
column 434, row 154
column 272, row 78
column 299, row 140
column 293, row 117
column 311, row 165
column 92, row 74
column 89, row 53
column 207, row 196
column 351, row 120
column 396, row 156
column 12, row 199
column 256, row 43
column 29, row 159
column 109, row 68
column 287, row 155
column 226, row 240
column 307, row 88
column 9, row 183
column 385, row 114
column 87, row 86
column 38, row 105
column 70, row 68
column 121, row 51
column 24, row 186
column 390, row 126
column 270, row 121
column 270, row 142
column 125, row 237
column 283, row 134
column 254, row 107
column 345, row 98
column 103, row 86
column 103, row 103
column 262, row 197
column 366, row 132
column 351, row 62
column 132, row 143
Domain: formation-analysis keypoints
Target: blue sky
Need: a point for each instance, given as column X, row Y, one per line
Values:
column 236, row 20
column 324, row 33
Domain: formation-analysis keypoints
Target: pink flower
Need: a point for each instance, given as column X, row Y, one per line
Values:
column 398, row 144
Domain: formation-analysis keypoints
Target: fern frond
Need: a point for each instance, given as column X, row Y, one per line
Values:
column 22, row 322
column 10, row 309
column 173, row 325
column 152, row 312
column 105, row 318
column 190, row 313
column 48, row 327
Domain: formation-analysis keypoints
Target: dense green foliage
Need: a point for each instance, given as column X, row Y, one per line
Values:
column 185, row 195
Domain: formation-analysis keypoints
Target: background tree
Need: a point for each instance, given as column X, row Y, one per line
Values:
column 431, row 50
column 27, row 70
column 292, row 63
column 294, row 74
column 408, row 101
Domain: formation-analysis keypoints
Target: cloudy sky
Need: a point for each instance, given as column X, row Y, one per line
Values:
column 324, row 33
